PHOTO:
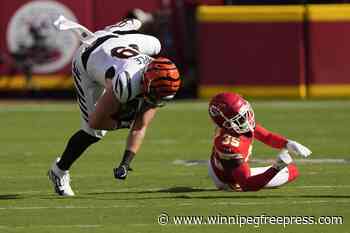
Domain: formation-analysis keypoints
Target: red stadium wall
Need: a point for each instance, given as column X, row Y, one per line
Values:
column 329, row 50
column 93, row 14
column 108, row 12
column 11, row 78
column 256, row 51
column 288, row 51
column 268, row 51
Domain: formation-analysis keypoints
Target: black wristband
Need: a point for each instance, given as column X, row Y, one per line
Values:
column 127, row 157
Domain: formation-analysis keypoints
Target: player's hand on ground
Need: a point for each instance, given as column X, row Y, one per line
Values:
column 296, row 148
column 121, row 172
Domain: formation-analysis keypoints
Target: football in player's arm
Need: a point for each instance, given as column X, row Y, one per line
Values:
column 233, row 140
column 118, row 85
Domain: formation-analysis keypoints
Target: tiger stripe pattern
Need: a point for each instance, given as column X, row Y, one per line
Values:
column 162, row 78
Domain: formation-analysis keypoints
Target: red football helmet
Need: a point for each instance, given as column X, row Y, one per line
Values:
column 231, row 112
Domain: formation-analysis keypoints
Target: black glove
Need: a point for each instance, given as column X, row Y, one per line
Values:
column 121, row 172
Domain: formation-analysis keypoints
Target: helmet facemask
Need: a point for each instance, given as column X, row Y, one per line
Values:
column 242, row 122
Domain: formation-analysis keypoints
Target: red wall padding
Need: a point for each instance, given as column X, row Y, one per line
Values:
column 329, row 52
column 251, row 53
column 94, row 14
column 8, row 8
column 107, row 12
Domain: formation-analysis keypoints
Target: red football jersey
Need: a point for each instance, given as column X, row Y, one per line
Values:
column 232, row 146
column 229, row 146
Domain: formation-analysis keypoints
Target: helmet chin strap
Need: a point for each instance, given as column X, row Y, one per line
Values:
column 154, row 102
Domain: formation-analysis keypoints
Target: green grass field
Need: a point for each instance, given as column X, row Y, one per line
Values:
column 33, row 134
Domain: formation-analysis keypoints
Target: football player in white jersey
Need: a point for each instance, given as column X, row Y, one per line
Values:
column 119, row 85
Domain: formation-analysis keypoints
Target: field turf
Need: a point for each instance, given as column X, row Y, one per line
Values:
column 33, row 134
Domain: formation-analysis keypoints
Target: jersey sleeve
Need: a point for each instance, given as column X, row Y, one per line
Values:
column 227, row 147
column 269, row 138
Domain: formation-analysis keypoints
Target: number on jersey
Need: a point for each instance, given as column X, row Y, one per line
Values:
column 230, row 140
column 123, row 52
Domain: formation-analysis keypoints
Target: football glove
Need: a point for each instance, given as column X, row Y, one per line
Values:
column 295, row 148
column 121, row 172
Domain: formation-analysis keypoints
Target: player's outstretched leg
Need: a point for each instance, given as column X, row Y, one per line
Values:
column 286, row 175
column 249, row 182
column 287, row 170
column 75, row 147
column 59, row 171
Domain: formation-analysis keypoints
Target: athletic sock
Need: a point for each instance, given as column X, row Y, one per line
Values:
column 293, row 172
column 75, row 147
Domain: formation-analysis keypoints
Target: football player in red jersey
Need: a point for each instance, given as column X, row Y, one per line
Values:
column 233, row 140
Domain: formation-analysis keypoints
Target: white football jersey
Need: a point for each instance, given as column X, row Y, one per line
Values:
column 118, row 53
column 121, row 58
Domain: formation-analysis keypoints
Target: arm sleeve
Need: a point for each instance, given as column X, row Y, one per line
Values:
column 271, row 139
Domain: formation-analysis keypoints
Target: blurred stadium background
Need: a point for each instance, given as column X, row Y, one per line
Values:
column 292, row 49
column 289, row 57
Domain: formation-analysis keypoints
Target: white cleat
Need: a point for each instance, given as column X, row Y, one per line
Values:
column 283, row 160
column 125, row 26
column 60, row 180
column 143, row 16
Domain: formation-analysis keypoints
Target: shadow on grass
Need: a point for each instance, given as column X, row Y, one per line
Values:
column 5, row 197
column 178, row 189
column 192, row 193
column 11, row 196
column 178, row 192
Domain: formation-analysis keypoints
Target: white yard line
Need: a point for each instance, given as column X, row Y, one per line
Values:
column 39, row 108
column 176, row 105
column 70, row 226
column 317, row 161
column 301, row 161
column 50, row 226
column 288, row 202
column 320, row 186
column 160, row 189
column 66, row 207
column 234, row 202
